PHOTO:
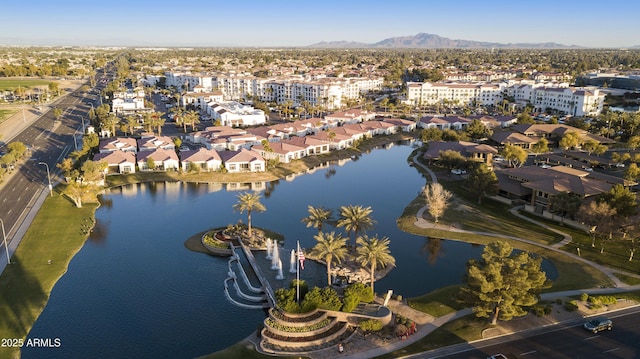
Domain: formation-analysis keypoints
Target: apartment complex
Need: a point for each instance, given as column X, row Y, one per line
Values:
column 543, row 97
column 329, row 92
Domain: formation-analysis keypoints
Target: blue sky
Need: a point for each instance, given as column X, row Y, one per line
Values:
column 284, row 23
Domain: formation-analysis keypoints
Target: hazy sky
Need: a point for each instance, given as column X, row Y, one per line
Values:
column 287, row 23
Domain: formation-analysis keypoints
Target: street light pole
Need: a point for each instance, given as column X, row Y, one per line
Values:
column 75, row 141
column 6, row 246
column 48, row 177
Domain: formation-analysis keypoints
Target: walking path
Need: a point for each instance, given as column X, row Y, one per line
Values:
column 362, row 347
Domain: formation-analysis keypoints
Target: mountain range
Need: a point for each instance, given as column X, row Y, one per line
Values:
column 432, row 41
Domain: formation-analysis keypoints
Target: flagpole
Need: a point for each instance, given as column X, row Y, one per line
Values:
column 298, row 273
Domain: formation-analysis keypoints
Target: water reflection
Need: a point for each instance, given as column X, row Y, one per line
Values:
column 432, row 249
column 134, row 290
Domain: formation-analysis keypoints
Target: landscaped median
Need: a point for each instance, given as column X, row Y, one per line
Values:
column 57, row 233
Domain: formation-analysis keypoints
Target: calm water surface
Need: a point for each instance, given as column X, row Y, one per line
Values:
column 135, row 291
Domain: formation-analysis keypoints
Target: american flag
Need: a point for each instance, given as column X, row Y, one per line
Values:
column 301, row 258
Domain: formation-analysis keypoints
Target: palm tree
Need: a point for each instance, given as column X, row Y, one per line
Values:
column 318, row 216
column 330, row 247
column 374, row 252
column 355, row 219
column 249, row 202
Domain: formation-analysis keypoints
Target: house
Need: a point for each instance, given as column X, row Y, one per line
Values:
column 554, row 133
column 312, row 145
column 163, row 160
column 117, row 161
column 234, row 114
column 349, row 116
column 401, row 124
column 150, row 142
column 242, row 160
column 223, row 138
column 123, row 144
column 337, row 140
column 284, row 151
column 536, row 185
column 503, row 138
column 444, row 122
column 471, row 151
column 205, row 160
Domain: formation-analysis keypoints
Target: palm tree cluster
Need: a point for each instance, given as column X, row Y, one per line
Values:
column 332, row 247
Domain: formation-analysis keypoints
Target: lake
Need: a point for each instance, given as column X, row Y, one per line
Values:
column 134, row 290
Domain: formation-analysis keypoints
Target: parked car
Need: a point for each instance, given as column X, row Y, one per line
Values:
column 458, row 171
column 498, row 356
column 544, row 165
column 620, row 165
column 598, row 324
column 184, row 148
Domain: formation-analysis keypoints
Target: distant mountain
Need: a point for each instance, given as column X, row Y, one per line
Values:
column 431, row 41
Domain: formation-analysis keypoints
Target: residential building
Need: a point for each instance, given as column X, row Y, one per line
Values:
column 242, row 160
column 117, row 161
column 204, row 159
column 162, row 159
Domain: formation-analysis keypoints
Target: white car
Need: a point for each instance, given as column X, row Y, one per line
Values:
column 620, row 165
column 458, row 171
column 544, row 165
column 497, row 356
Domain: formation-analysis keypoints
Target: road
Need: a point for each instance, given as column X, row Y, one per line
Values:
column 567, row 340
column 48, row 142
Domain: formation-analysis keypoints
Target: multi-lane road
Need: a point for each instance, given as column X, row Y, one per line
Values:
column 567, row 340
column 48, row 142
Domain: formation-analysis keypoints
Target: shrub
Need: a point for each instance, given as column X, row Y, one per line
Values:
column 370, row 325
column 558, row 301
column 349, row 304
column 571, row 305
column 538, row 310
column 584, row 297
column 362, row 291
column 399, row 298
column 286, row 300
column 548, row 309
column 602, row 299
column 304, row 288
column 325, row 298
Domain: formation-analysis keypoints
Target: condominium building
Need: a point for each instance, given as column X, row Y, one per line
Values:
column 328, row 92
column 544, row 97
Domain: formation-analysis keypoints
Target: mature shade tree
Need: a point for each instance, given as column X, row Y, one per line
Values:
column 565, row 204
column 594, row 147
column 598, row 215
column 571, row 139
column 618, row 157
column 451, row 159
column 542, row 146
column 374, row 252
column 437, row 200
column 477, row 130
column 317, row 217
column 330, row 247
column 525, row 119
column 355, row 219
column 109, row 123
column 515, row 155
column 249, row 202
column 66, row 166
column 633, row 142
column 482, row 181
column 501, row 285
column 80, row 193
column 57, row 113
column 431, row 134
column 632, row 173
column 622, row 199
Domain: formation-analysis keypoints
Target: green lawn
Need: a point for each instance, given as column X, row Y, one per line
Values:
column 55, row 235
column 5, row 114
column 9, row 84
column 438, row 302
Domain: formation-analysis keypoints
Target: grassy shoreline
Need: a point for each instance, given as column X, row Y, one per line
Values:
column 57, row 234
